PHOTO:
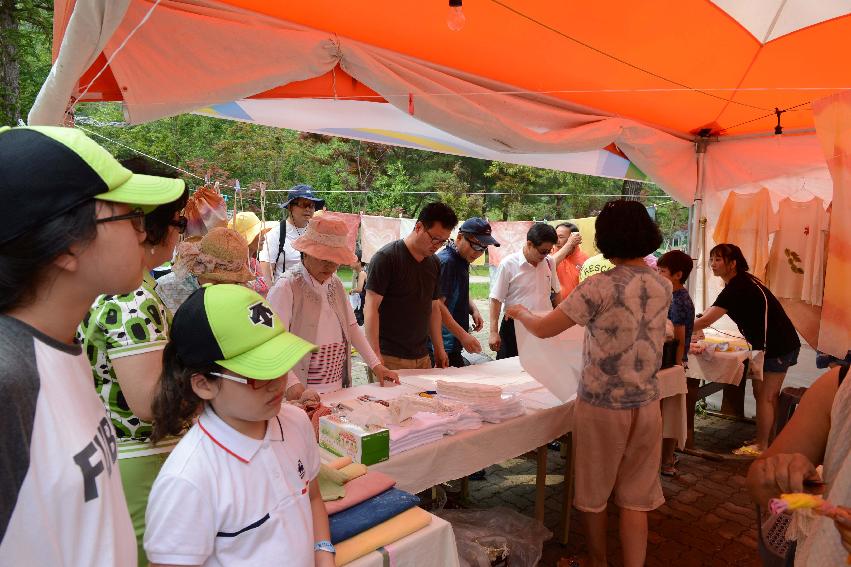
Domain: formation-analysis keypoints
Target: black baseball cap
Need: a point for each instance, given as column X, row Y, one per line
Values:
column 481, row 229
column 45, row 171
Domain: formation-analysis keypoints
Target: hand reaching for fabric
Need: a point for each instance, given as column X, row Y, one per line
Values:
column 780, row 474
column 470, row 343
column 515, row 311
column 385, row 375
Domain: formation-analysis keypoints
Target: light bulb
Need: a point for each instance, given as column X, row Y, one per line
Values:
column 455, row 19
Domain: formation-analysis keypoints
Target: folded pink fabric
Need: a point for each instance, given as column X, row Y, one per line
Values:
column 361, row 489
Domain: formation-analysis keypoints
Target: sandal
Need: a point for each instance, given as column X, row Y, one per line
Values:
column 669, row 470
column 751, row 450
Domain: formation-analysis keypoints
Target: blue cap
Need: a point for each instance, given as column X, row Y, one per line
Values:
column 481, row 229
column 303, row 192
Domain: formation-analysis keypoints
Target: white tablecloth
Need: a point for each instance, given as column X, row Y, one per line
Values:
column 434, row 545
column 721, row 367
column 459, row 455
column 672, row 390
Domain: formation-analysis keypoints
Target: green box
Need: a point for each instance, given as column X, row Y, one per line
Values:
column 365, row 445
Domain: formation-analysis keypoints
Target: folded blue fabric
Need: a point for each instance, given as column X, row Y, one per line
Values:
column 370, row 513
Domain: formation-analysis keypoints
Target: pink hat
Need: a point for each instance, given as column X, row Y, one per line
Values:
column 327, row 239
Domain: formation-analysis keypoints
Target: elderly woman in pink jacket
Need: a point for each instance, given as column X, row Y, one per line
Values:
column 311, row 301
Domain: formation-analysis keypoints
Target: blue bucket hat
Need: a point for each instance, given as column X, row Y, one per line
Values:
column 302, row 192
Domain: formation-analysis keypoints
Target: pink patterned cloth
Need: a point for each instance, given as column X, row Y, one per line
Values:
column 375, row 233
column 360, row 490
column 512, row 237
column 352, row 223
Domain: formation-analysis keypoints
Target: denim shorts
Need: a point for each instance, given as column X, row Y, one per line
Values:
column 781, row 363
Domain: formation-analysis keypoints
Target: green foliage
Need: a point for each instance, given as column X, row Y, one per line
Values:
column 354, row 176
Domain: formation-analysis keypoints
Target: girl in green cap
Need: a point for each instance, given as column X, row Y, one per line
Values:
column 240, row 487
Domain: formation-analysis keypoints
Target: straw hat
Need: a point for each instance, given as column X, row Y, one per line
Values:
column 248, row 225
column 327, row 239
column 221, row 256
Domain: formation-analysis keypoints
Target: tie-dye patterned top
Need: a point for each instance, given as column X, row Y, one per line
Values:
column 623, row 311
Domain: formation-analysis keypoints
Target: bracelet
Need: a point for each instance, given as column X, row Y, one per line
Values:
column 324, row 545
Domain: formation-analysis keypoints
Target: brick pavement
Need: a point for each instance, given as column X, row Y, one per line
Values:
column 707, row 520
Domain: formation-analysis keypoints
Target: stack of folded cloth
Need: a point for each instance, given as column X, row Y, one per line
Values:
column 405, row 407
column 488, row 401
column 423, row 428
column 371, row 514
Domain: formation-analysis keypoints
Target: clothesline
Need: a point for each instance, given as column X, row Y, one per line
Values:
column 664, row 198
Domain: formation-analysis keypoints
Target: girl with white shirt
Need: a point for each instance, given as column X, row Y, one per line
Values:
column 311, row 301
column 240, row 487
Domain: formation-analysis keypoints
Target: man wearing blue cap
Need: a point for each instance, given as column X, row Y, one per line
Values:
column 278, row 255
column 472, row 240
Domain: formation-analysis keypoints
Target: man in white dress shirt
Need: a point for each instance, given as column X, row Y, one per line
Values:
column 526, row 278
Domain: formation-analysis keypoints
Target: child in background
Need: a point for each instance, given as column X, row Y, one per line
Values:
column 676, row 267
column 240, row 488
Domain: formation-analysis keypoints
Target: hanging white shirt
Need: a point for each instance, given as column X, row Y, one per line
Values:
column 290, row 255
column 519, row 282
column 223, row 498
column 797, row 260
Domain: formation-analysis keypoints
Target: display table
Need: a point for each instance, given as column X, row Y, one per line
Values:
column 673, row 389
column 710, row 374
column 466, row 452
column 432, row 545
column 546, row 419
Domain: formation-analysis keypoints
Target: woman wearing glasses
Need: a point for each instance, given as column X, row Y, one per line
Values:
column 123, row 337
column 278, row 255
column 311, row 301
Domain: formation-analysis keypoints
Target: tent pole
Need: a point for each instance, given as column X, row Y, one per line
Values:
column 697, row 224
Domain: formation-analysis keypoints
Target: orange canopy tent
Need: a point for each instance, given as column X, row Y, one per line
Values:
column 690, row 91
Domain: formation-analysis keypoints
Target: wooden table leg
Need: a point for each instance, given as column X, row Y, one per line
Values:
column 567, row 497
column 541, row 484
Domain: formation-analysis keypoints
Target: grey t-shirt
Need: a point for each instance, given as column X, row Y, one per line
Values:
column 623, row 311
column 408, row 288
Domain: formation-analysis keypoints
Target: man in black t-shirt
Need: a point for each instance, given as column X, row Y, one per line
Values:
column 402, row 299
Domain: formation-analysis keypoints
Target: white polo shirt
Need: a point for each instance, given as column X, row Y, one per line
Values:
column 223, row 498
column 272, row 240
column 519, row 282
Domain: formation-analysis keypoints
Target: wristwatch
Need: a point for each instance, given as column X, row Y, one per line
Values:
column 324, row 545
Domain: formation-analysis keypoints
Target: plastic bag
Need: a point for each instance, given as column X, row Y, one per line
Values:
column 205, row 210
column 482, row 535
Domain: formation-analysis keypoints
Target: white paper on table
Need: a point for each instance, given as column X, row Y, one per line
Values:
column 555, row 362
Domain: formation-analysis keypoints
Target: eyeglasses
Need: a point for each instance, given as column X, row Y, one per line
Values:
column 475, row 244
column 136, row 218
column 255, row 384
column 544, row 252
column 180, row 223
column 304, row 203
column 440, row 241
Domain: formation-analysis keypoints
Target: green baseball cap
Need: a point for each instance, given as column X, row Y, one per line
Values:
column 236, row 328
column 45, row 171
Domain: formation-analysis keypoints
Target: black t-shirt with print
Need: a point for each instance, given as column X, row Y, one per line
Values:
column 745, row 305
column 408, row 288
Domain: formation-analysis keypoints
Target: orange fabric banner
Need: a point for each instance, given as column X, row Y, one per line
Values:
column 833, row 126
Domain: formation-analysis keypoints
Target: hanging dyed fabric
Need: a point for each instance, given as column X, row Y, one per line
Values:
column 512, row 237
column 796, row 264
column 375, row 233
column 746, row 221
